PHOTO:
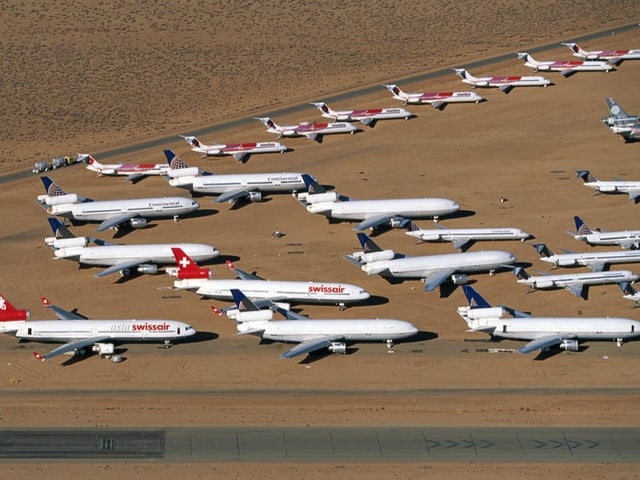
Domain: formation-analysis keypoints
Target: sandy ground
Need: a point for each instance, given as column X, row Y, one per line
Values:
column 524, row 147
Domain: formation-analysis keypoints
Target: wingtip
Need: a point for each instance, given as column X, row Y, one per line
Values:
column 38, row 356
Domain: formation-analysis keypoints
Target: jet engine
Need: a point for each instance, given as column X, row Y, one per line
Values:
column 254, row 316
column 483, row 313
column 338, row 347
column 103, row 348
column 184, row 172
column 543, row 284
column 148, row 268
column 254, row 196
column 59, row 200
column 287, row 133
column 374, row 256
column 608, row 188
column 459, row 279
column 66, row 242
column 569, row 345
column 138, row 222
column 398, row 222
column 321, row 197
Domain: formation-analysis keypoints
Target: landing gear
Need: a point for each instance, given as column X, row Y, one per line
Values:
column 436, row 218
column 618, row 342
column 342, row 306
column 390, row 346
column 176, row 218
column 168, row 344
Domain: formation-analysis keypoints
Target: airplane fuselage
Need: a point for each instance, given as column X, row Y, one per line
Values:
column 370, row 114
column 614, row 186
column 314, row 128
column 452, row 235
column 263, row 182
column 130, row 169
column 233, row 148
column 405, row 207
column 587, row 278
column 440, row 97
column 623, row 238
column 593, row 258
column 569, row 65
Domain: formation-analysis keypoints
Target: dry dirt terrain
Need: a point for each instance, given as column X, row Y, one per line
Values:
column 91, row 77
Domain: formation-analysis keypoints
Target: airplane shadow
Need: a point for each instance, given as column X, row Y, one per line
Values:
column 552, row 352
column 459, row 214
column 421, row 336
column 373, row 300
column 198, row 337
column 201, row 212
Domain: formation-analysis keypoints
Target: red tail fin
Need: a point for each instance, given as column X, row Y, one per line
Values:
column 187, row 268
column 8, row 312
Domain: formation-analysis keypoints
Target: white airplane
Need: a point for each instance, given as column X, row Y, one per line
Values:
column 596, row 261
column 631, row 188
column 630, row 293
column 239, row 151
column 433, row 270
column 313, row 335
column 575, row 283
column 10, row 313
column 192, row 277
column 612, row 56
column 232, row 188
column 111, row 213
column 366, row 116
column 133, row 171
column 124, row 259
column 617, row 116
column 565, row 67
column 312, row 130
column 629, row 133
column 437, row 100
column 625, row 239
column 543, row 333
column 373, row 214
column 79, row 333
column 504, row 84
column 463, row 238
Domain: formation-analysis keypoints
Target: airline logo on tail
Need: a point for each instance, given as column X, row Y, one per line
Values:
column 584, row 230
column 9, row 313
column 52, row 188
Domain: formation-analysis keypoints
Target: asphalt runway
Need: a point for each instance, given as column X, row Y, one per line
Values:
column 322, row 445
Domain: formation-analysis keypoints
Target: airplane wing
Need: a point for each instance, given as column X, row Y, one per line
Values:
column 123, row 266
column 505, row 88
column 311, row 346
column 597, row 266
column 314, row 136
column 136, row 177
column 634, row 194
column 241, row 156
column 68, row 347
column 246, row 275
column 629, row 244
column 462, row 243
column 115, row 221
column 436, row 277
column 567, row 72
column 233, row 195
column 439, row 105
column 61, row 313
column 540, row 343
column 577, row 289
column 288, row 314
column 372, row 222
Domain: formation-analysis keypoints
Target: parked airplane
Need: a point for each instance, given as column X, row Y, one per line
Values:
column 111, row 213
column 543, row 333
column 79, row 333
column 232, row 188
column 373, row 214
column 433, row 270
column 630, row 293
column 192, row 277
column 565, row 67
column 368, row 116
column 240, row 151
column 596, row 261
column 630, row 133
column 625, row 239
column 437, row 100
column 8, row 312
column 574, row 283
column 312, row 130
column 124, row 259
column 631, row 188
column 463, row 238
column 313, row 335
column 617, row 116
column 504, row 84
column 612, row 56
column 133, row 171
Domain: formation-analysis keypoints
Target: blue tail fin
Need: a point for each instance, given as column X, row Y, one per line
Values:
column 586, row 176
column 521, row 273
column 58, row 228
column 581, row 227
column 242, row 302
column 174, row 161
column 474, row 298
column 368, row 245
column 51, row 188
column 312, row 185
column 543, row 250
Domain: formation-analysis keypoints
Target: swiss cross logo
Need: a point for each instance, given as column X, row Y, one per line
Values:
column 184, row 262
column 3, row 303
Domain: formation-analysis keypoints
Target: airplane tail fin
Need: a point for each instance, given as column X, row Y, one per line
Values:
column 474, row 298
column 586, row 176
column 627, row 288
column 10, row 313
column 174, row 161
column 368, row 245
column 543, row 250
column 51, row 188
column 192, row 141
column 615, row 109
column 242, row 302
column 463, row 74
column 312, row 184
column 575, row 48
column 527, row 58
column 581, row 227
column 59, row 229
column 188, row 268
column 521, row 273
column 267, row 122
column 323, row 107
column 396, row 91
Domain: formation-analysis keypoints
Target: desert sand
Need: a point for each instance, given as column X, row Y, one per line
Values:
column 100, row 76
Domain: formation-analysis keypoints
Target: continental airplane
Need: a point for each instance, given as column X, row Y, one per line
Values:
column 596, row 261
column 437, row 100
column 575, row 283
column 631, row 188
column 124, row 259
column 199, row 280
column 239, row 151
column 433, row 270
column 312, row 130
column 77, row 333
column 133, row 171
column 543, row 333
column 565, row 67
column 630, row 293
column 617, row 116
column 111, row 213
column 625, row 239
column 232, row 188
column 463, row 238
column 504, row 84
column 630, row 133
column 314, row 335
column 615, row 57
column 372, row 214
column 368, row 116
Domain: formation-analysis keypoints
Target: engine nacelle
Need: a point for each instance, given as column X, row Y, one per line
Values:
column 254, row 316
column 254, row 196
column 608, row 188
column 569, row 345
column 459, row 279
column 338, row 347
column 66, row 242
column 138, row 222
column 321, row 197
column 343, row 118
column 482, row 313
column 543, row 284
column 429, row 236
column 288, row 133
column 374, row 256
column 59, row 199
column 184, row 172
column 398, row 222
column 103, row 348
column 148, row 269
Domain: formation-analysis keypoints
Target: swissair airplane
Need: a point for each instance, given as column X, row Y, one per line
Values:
column 111, row 213
column 368, row 116
column 312, row 130
column 133, row 171
column 565, row 67
column 543, row 333
column 372, row 214
column 313, row 335
column 124, row 259
column 574, row 283
column 625, row 239
column 612, row 56
column 232, row 188
column 199, row 280
column 631, row 188
column 77, row 333
column 239, row 151
column 596, row 261
column 433, row 270
column 463, row 238
column 9, row 312
column 504, row 84
column 437, row 100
